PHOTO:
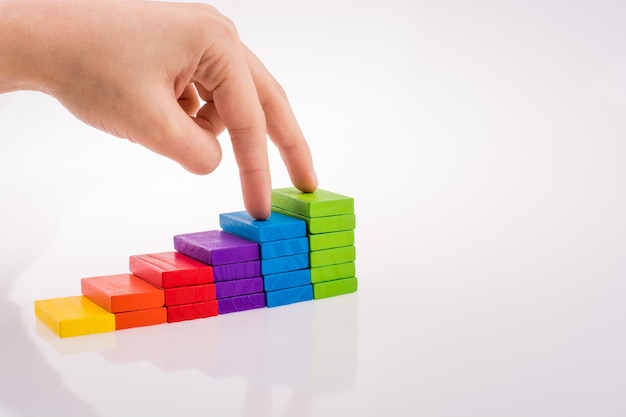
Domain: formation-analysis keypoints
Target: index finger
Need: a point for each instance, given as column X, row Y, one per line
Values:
column 238, row 105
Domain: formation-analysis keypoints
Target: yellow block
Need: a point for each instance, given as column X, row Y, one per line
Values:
column 74, row 316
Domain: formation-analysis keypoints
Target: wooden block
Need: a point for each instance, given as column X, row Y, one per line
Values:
column 332, row 256
column 241, row 303
column 284, row 247
column 216, row 247
column 276, row 227
column 140, row 318
column 122, row 292
column 284, row 264
column 74, row 316
column 333, row 272
column 289, row 295
column 326, row 224
column 331, row 240
column 320, row 203
column 190, row 294
column 192, row 311
column 273, row 282
column 170, row 269
column 238, row 270
column 226, row 289
column 334, row 288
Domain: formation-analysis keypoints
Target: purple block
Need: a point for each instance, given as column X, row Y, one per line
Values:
column 236, row 287
column 216, row 247
column 241, row 303
column 238, row 270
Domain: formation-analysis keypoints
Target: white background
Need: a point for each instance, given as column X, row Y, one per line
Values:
column 484, row 144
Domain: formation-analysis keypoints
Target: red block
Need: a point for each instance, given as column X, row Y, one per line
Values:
column 122, row 292
column 191, row 311
column 188, row 295
column 171, row 269
column 139, row 318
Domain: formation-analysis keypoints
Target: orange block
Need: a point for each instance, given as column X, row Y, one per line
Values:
column 122, row 292
column 140, row 318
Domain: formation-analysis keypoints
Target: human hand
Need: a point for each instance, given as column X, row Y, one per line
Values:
column 135, row 69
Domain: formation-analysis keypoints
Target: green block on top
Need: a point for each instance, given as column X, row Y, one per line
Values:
column 319, row 203
column 327, row 224
column 331, row 240
column 334, row 288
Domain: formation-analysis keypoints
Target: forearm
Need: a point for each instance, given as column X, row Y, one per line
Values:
column 16, row 45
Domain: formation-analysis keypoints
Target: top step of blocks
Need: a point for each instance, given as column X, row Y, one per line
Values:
column 276, row 227
column 319, row 203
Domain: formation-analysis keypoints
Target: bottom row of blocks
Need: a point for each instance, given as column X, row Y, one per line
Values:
column 78, row 315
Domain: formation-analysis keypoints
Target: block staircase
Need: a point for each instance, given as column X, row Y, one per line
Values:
column 304, row 251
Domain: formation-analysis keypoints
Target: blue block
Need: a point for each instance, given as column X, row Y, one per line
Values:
column 289, row 295
column 273, row 282
column 284, row 264
column 278, row 226
column 284, row 247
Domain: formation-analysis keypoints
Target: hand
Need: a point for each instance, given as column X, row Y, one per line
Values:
column 137, row 69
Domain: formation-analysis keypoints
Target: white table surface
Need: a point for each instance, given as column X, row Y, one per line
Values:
column 484, row 143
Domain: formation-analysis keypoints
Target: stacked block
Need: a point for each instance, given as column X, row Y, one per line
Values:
column 284, row 254
column 304, row 250
column 133, row 301
column 187, row 284
column 330, row 222
column 236, row 267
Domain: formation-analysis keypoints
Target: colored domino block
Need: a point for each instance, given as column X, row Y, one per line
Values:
column 237, row 270
column 170, row 269
column 190, row 294
column 284, row 264
column 332, row 272
column 334, row 288
column 140, row 318
column 192, row 311
column 284, row 247
column 276, row 227
column 331, row 240
column 289, row 295
column 273, row 282
column 326, row 224
column 332, row 256
column 320, row 203
column 237, row 287
column 122, row 292
column 216, row 247
column 241, row 303
column 74, row 316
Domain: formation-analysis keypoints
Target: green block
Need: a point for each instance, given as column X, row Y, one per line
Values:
column 328, row 224
column 332, row 272
column 331, row 240
column 334, row 288
column 332, row 256
column 320, row 203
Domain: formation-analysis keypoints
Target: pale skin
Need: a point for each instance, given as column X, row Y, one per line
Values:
column 169, row 76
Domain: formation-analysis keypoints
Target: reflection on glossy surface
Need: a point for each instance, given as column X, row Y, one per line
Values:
column 308, row 349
